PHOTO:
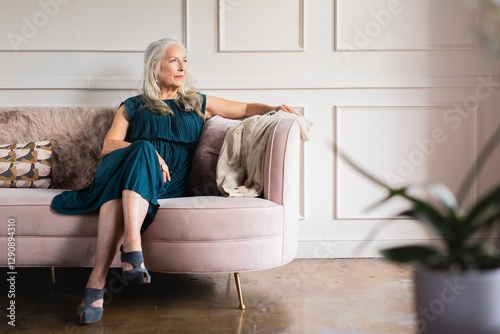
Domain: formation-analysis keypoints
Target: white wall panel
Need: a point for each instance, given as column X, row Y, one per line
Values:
column 381, row 101
column 261, row 25
column 89, row 25
column 405, row 24
column 302, row 213
column 400, row 146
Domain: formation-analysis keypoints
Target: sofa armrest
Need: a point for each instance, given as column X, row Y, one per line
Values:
column 281, row 160
column 282, row 164
column 282, row 179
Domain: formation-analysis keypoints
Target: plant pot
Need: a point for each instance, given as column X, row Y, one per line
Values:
column 457, row 303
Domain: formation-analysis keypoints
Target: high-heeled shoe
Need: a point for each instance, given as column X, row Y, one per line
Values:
column 137, row 275
column 89, row 314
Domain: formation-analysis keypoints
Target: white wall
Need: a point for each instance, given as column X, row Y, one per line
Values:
column 403, row 86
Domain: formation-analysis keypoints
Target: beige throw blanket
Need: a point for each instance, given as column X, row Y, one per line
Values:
column 241, row 161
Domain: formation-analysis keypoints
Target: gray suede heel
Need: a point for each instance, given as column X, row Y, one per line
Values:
column 137, row 275
column 89, row 314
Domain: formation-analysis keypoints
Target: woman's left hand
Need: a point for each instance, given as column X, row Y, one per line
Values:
column 285, row 108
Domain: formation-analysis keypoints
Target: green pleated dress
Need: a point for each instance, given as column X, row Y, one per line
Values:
column 136, row 167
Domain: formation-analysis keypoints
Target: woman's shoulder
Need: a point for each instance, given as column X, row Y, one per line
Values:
column 132, row 104
column 133, row 101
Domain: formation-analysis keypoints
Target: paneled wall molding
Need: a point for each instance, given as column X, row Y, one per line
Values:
column 450, row 119
column 485, row 80
column 382, row 77
column 395, row 26
column 69, row 83
column 359, row 248
column 302, row 215
column 40, row 21
column 254, row 43
column 350, row 82
column 79, row 48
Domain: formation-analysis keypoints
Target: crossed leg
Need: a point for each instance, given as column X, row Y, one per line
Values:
column 120, row 221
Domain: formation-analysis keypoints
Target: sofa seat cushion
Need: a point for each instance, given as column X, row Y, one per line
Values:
column 30, row 208
column 204, row 218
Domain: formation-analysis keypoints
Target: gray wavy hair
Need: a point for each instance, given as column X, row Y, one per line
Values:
column 187, row 97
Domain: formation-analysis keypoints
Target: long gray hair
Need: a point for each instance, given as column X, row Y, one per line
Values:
column 187, row 97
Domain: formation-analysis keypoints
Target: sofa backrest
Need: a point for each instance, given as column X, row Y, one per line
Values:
column 78, row 133
column 201, row 180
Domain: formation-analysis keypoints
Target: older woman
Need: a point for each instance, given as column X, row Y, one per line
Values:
column 146, row 156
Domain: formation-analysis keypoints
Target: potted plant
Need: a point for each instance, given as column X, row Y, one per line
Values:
column 457, row 279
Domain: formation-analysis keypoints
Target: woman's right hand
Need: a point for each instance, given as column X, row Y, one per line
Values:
column 164, row 168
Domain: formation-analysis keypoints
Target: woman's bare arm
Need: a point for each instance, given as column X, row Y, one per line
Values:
column 234, row 109
column 115, row 138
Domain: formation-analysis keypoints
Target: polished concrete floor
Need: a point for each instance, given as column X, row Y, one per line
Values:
column 327, row 296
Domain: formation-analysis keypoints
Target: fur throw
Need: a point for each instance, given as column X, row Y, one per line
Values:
column 78, row 134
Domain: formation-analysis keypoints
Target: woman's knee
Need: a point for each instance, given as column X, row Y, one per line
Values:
column 112, row 204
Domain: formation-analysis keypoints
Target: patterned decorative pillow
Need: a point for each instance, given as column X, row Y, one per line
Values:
column 27, row 165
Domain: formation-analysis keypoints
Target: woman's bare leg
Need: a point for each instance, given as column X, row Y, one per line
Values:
column 109, row 236
column 135, row 208
column 120, row 220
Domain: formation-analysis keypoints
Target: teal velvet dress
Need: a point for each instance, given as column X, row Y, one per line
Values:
column 136, row 167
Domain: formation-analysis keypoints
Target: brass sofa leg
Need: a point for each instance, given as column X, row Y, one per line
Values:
column 53, row 275
column 238, row 288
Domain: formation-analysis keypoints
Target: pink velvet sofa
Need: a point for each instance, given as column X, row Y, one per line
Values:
column 200, row 233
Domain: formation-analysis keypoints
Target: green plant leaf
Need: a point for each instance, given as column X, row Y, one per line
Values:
column 480, row 162
column 380, row 202
column 485, row 212
column 413, row 253
column 483, row 223
column 428, row 221
column 455, row 230
column 360, row 170
column 443, row 195
column 430, row 215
